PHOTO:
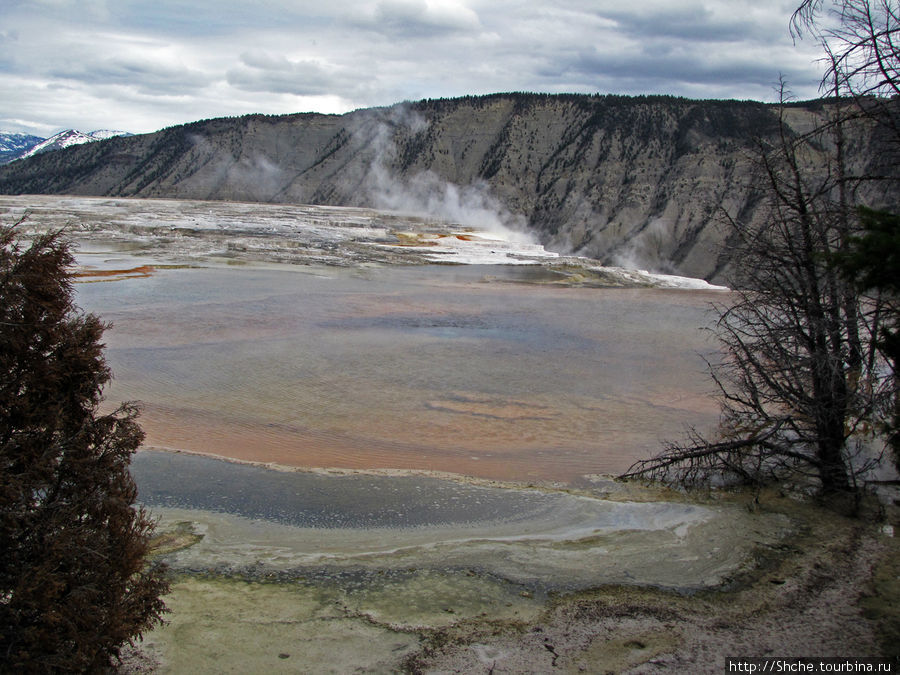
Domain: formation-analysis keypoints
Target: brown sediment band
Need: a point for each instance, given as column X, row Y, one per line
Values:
column 141, row 271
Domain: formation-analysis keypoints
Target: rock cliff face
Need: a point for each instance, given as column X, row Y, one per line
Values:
column 626, row 180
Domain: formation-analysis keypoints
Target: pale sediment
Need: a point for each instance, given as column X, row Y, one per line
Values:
column 288, row 521
column 498, row 579
column 242, row 599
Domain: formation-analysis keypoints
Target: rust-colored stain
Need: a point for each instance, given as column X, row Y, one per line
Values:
column 415, row 239
column 142, row 271
column 461, row 237
column 428, row 238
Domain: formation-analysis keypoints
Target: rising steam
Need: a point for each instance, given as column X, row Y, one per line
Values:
column 426, row 194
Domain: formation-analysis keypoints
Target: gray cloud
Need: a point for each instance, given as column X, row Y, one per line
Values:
column 138, row 65
column 694, row 23
column 147, row 76
column 656, row 65
column 263, row 71
column 420, row 18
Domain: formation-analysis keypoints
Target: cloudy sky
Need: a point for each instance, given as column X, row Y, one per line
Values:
column 140, row 65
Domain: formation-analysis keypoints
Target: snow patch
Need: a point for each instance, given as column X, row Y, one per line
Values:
column 69, row 137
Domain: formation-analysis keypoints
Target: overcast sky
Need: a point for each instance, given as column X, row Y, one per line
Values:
column 139, row 65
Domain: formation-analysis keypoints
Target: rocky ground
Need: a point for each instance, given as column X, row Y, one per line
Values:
column 831, row 590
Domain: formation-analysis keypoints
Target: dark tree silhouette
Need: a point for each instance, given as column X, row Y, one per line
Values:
column 802, row 382
column 808, row 374
column 862, row 44
column 74, row 584
column 872, row 263
column 861, row 40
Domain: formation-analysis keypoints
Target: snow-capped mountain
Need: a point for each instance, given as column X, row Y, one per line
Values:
column 20, row 146
column 61, row 140
column 70, row 137
column 103, row 134
column 13, row 146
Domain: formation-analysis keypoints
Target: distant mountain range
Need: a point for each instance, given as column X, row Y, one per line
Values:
column 635, row 181
column 18, row 146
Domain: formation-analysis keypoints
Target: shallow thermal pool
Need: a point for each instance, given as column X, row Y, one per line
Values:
column 475, row 370
column 256, row 518
column 327, row 337
column 365, row 356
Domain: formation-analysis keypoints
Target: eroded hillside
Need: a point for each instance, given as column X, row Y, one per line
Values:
column 639, row 181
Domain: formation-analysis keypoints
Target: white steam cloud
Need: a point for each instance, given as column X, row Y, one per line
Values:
column 648, row 249
column 426, row 194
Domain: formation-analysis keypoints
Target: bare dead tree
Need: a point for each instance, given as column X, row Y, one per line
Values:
column 802, row 381
column 861, row 40
column 805, row 379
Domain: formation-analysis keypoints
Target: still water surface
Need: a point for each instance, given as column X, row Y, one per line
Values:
column 462, row 369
